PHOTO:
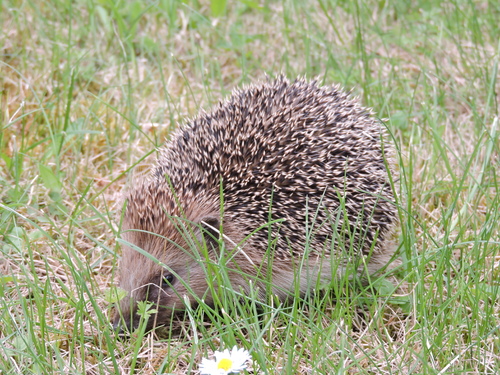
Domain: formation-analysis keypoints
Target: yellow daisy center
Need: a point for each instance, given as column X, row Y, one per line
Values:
column 225, row 364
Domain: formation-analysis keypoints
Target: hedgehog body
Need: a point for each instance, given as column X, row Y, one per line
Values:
column 297, row 168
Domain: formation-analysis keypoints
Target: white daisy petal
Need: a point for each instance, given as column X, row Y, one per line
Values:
column 208, row 367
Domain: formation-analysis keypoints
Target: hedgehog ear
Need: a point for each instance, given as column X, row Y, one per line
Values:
column 210, row 231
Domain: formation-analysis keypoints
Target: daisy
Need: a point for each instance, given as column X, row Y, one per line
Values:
column 226, row 362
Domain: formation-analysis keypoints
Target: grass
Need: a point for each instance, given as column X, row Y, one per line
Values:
column 89, row 89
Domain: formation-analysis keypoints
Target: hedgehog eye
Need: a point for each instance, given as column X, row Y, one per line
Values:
column 167, row 280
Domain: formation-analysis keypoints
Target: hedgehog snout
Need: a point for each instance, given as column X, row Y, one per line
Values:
column 121, row 328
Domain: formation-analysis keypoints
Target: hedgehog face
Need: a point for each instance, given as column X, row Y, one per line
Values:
column 169, row 273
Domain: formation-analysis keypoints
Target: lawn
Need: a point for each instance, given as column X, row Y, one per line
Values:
column 89, row 89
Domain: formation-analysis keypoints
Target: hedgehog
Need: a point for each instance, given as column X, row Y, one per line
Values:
column 291, row 180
